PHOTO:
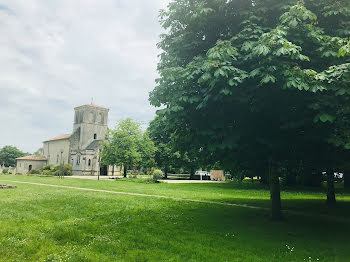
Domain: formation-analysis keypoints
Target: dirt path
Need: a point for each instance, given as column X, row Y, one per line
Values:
column 338, row 219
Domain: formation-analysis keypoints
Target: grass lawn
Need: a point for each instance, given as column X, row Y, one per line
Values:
column 40, row 223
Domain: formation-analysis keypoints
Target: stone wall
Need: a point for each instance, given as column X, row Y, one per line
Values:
column 57, row 151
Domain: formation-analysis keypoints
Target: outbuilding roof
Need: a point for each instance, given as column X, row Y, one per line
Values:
column 33, row 157
column 61, row 137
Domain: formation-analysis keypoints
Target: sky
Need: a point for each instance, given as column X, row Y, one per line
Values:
column 59, row 54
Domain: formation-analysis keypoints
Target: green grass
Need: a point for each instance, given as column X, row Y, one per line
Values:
column 57, row 224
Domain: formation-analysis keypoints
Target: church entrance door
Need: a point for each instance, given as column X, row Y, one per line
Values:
column 104, row 171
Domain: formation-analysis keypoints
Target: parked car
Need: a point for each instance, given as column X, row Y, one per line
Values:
column 202, row 173
column 337, row 176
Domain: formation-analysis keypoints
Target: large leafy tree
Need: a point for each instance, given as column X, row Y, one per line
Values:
column 164, row 155
column 127, row 146
column 250, row 83
column 8, row 155
column 147, row 151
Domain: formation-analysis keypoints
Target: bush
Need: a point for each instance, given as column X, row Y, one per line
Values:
column 34, row 171
column 48, row 167
column 5, row 171
column 131, row 175
column 47, row 173
column 157, row 174
column 63, row 170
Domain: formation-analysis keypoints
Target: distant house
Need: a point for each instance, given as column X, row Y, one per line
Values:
column 80, row 149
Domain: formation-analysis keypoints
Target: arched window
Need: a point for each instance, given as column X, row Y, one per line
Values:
column 89, row 162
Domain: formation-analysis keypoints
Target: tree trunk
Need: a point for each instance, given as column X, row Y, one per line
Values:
column 330, row 188
column 275, row 194
column 346, row 179
column 166, row 172
column 112, row 171
column 125, row 169
column 192, row 173
column 264, row 179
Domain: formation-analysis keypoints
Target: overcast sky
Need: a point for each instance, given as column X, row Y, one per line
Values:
column 58, row 54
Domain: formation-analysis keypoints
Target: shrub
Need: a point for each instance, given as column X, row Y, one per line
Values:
column 34, row 171
column 157, row 174
column 48, row 167
column 47, row 173
column 5, row 171
column 131, row 175
column 63, row 170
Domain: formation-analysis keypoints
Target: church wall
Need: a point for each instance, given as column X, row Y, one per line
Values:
column 22, row 166
column 57, row 151
column 88, row 131
column 85, row 162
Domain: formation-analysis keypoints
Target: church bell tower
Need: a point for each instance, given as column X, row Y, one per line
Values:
column 90, row 123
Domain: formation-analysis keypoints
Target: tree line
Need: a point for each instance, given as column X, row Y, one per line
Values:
column 8, row 155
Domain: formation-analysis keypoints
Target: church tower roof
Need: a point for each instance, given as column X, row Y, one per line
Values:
column 92, row 105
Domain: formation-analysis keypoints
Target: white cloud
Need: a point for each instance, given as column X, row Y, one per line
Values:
column 57, row 54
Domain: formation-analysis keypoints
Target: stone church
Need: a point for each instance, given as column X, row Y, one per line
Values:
column 80, row 149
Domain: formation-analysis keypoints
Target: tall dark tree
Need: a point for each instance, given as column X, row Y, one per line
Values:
column 164, row 155
column 248, row 81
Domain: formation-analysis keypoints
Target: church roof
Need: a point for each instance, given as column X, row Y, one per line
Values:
column 61, row 137
column 33, row 157
column 93, row 145
column 93, row 105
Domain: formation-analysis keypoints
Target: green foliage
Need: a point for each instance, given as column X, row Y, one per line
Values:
column 47, row 173
column 158, row 173
column 5, row 171
column 34, row 171
column 63, row 170
column 242, row 84
column 38, row 152
column 48, row 167
column 8, row 155
column 156, row 177
column 166, row 155
column 127, row 146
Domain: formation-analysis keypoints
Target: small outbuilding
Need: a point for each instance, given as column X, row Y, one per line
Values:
column 217, row 175
column 28, row 163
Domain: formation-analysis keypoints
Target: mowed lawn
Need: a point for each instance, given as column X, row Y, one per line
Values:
column 39, row 223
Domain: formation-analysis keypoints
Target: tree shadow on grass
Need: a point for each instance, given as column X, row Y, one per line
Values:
column 132, row 228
